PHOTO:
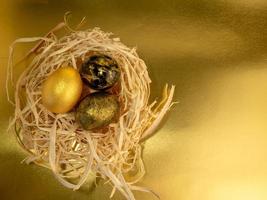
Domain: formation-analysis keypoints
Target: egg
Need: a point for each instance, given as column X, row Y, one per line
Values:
column 62, row 90
column 97, row 110
column 100, row 72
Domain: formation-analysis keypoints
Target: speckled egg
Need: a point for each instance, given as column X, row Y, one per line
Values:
column 100, row 72
column 97, row 110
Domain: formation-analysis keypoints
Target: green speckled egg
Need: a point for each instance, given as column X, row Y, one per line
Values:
column 100, row 72
column 97, row 110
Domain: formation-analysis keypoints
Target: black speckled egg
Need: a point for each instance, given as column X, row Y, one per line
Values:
column 97, row 110
column 100, row 72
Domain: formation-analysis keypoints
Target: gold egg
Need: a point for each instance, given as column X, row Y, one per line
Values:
column 62, row 90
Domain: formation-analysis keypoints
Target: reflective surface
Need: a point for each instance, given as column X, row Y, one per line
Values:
column 213, row 144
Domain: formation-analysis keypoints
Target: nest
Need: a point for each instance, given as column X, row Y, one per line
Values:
column 56, row 141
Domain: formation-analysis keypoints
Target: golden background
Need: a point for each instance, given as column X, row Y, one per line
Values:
column 213, row 145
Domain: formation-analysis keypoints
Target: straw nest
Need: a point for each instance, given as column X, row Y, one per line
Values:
column 56, row 141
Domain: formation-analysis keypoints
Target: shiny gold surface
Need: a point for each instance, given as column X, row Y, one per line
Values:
column 62, row 90
column 213, row 145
